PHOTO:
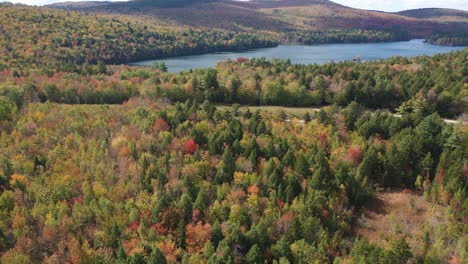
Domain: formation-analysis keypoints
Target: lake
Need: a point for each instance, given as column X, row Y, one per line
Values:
column 302, row 54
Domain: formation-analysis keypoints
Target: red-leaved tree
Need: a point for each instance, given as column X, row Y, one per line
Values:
column 190, row 146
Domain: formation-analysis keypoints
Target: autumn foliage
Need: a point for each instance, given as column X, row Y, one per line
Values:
column 121, row 164
column 197, row 236
column 190, row 146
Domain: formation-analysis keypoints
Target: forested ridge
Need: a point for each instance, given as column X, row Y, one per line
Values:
column 285, row 16
column 64, row 39
column 163, row 3
column 58, row 39
column 108, row 163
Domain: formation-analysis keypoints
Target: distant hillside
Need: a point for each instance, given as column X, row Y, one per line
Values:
column 158, row 3
column 211, row 14
column 55, row 38
column 438, row 14
column 165, row 3
column 78, row 5
column 433, row 12
column 283, row 3
column 276, row 17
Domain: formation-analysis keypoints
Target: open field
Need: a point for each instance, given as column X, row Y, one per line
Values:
column 399, row 213
column 298, row 112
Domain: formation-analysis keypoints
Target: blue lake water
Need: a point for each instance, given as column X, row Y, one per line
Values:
column 302, row 54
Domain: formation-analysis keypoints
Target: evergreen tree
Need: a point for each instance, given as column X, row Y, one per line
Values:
column 295, row 231
column 301, row 165
column 352, row 113
column 252, row 145
column 254, row 255
column 270, row 149
column 369, row 167
column 399, row 253
column 216, row 234
column 427, row 165
column 364, row 252
column 226, row 168
column 208, row 251
column 307, row 117
column 157, row 257
column 136, row 259
column 322, row 178
column 282, row 249
column 288, row 159
column 181, row 234
column 185, row 204
column 202, row 201
column 292, row 189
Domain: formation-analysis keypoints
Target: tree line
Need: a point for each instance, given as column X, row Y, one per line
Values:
column 422, row 85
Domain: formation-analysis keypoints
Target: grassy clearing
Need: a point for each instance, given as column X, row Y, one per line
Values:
column 289, row 111
column 299, row 112
column 400, row 213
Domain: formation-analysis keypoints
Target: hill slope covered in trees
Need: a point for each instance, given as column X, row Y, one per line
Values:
column 66, row 39
column 281, row 16
column 440, row 14
column 118, row 164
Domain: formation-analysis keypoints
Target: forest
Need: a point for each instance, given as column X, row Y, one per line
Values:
column 422, row 85
column 105, row 163
column 460, row 39
column 68, row 40
column 165, row 4
column 278, row 18
column 149, row 182
column 65, row 39
column 122, row 164
column 344, row 36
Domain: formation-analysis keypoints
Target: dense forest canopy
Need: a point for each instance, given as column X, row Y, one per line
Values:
column 460, row 39
column 343, row 36
column 148, row 182
column 64, row 39
column 118, row 164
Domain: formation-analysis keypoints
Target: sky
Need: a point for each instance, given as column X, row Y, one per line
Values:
column 399, row 5
column 382, row 5
column 45, row 2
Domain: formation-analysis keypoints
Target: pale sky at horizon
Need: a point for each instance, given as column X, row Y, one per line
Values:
column 382, row 5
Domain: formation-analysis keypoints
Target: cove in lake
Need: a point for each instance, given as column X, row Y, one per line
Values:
column 302, row 54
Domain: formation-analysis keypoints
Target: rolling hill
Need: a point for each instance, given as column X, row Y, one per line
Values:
column 284, row 16
column 437, row 14
column 63, row 39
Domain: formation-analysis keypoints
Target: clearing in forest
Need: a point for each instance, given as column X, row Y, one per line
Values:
column 400, row 213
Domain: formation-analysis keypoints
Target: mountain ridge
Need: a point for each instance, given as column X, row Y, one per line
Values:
column 277, row 17
column 437, row 14
column 428, row 12
column 258, row 4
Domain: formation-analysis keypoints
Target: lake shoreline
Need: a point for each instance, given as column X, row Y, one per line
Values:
column 307, row 54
